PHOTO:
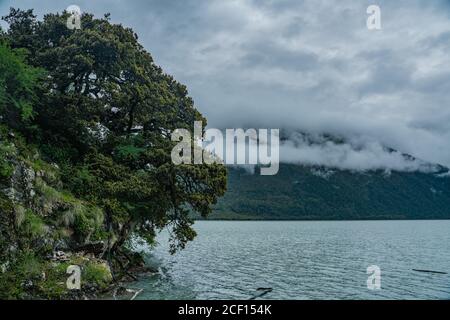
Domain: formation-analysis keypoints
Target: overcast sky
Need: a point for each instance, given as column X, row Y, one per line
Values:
column 310, row 65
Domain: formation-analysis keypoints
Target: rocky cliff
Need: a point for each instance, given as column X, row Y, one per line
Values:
column 44, row 230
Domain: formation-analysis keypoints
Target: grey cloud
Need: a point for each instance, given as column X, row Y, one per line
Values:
column 269, row 55
column 308, row 65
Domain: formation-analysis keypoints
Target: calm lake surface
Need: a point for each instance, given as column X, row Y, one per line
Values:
column 304, row 260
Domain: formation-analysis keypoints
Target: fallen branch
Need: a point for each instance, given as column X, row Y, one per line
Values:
column 429, row 271
column 263, row 293
column 136, row 294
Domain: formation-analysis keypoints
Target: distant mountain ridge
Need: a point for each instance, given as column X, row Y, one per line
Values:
column 313, row 191
column 317, row 193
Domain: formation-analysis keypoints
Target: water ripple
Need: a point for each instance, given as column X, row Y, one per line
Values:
column 304, row 260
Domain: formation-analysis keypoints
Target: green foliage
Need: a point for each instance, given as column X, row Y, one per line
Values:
column 87, row 147
column 18, row 83
column 96, row 273
column 87, row 221
column 129, row 152
column 26, row 267
column 33, row 226
column 30, row 276
column 6, row 168
column 102, row 116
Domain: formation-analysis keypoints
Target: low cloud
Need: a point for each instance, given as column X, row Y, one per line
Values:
column 355, row 156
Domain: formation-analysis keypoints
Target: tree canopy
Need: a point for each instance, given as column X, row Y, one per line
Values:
column 103, row 111
column 18, row 82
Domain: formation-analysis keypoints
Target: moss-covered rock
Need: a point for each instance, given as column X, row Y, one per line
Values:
column 30, row 276
column 38, row 218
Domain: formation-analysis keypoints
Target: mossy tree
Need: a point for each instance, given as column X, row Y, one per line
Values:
column 105, row 112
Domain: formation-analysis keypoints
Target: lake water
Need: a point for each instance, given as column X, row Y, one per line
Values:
column 304, row 260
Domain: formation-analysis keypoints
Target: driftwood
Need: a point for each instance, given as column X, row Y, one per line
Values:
column 263, row 293
column 122, row 293
column 136, row 294
column 429, row 271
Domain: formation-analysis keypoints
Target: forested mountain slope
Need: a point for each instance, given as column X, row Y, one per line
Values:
column 305, row 192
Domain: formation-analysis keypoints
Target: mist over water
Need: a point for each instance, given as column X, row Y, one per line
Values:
column 304, row 260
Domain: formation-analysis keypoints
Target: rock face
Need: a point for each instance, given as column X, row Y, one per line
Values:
column 44, row 230
column 21, row 188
